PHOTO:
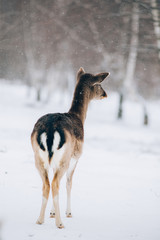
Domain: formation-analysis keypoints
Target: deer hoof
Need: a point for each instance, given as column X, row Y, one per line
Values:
column 39, row 221
column 60, row 226
column 52, row 215
column 69, row 215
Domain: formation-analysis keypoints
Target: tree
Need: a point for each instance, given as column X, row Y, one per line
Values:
column 35, row 60
column 60, row 36
column 129, row 86
column 156, row 23
column 10, row 26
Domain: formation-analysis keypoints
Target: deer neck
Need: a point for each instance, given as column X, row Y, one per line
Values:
column 80, row 102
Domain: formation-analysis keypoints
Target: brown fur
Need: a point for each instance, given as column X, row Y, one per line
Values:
column 68, row 128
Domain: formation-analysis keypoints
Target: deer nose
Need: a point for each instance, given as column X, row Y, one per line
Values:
column 104, row 95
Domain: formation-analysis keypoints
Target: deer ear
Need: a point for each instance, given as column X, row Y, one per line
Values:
column 80, row 72
column 100, row 77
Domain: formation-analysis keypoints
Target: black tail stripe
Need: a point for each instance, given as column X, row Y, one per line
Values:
column 50, row 154
column 50, row 141
column 62, row 138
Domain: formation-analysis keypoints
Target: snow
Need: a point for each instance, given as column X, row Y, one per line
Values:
column 116, row 185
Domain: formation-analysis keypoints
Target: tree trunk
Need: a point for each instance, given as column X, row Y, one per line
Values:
column 145, row 120
column 129, row 83
column 156, row 22
column 120, row 108
column 25, row 5
column 38, row 91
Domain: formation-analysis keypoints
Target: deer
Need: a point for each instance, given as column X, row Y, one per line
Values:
column 57, row 141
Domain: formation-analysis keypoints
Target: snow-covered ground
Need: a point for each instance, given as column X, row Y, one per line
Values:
column 116, row 186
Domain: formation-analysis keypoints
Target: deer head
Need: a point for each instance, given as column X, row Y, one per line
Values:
column 92, row 83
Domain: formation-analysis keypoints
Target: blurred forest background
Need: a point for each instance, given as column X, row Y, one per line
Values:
column 44, row 42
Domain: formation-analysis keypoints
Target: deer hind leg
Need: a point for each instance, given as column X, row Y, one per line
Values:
column 70, row 173
column 55, row 193
column 45, row 190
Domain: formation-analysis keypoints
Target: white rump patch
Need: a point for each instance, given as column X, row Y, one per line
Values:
column 44, row 154
column 56, row 142
column 58, row 153
column 44, row 140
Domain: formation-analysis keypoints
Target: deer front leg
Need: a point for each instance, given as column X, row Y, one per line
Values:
column 52, row 212
column 70, row 172
column 69, row 186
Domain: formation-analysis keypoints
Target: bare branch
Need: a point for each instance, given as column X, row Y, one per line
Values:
column 72, row 33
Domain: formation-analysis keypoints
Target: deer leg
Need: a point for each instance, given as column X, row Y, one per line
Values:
column 70, row 172
column 55, row 193
column 45, row 195
column 52, row 212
